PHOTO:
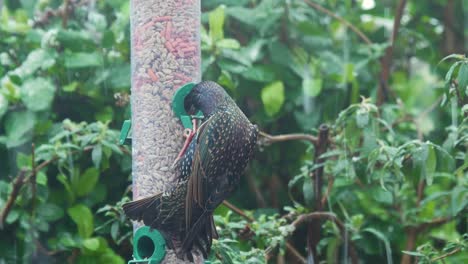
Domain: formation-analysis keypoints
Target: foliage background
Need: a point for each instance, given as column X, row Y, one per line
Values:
column 395, row 174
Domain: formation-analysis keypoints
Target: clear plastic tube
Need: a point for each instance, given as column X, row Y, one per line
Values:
column 165, row 55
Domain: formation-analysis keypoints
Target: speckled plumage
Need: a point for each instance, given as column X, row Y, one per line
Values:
column 209, row 172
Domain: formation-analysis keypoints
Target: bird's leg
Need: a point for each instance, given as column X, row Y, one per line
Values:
column 188, row 134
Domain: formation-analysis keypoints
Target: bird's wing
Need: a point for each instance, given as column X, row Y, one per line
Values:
column 209, row 138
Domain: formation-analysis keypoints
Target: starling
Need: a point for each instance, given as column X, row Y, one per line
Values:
column 208, row 172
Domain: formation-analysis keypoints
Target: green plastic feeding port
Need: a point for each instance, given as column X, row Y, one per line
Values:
column 178, row 106
column 149, row 246
column 124, row 133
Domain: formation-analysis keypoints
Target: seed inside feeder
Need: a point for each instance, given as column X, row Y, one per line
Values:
column 165, row 55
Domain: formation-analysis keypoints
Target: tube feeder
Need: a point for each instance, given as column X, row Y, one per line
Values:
column 165, row 55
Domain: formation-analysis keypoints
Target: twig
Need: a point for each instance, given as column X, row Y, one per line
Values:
column 455, row 251
column 21, row 179
column 342, row 20
column 411, row 233
column 386, row 61
column 313, row 229
column 33, row 179
column 329, row 187
column 295, row 253
column 269, row 139
column 420, row 192
column 434, row 223
column 237, row 211
column 289, row 247
column 17, row 184
column 312, row 217
column 65, row 13
column 253, row 187
column 307, row 218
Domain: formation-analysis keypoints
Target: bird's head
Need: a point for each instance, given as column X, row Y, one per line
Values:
column 207, row 97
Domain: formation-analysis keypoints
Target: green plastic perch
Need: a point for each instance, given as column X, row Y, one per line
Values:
column 149, row 246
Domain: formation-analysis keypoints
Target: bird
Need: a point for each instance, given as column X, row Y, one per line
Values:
column 208, row 173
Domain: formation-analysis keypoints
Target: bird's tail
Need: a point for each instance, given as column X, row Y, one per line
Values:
column 146, row 209
column 201, row 235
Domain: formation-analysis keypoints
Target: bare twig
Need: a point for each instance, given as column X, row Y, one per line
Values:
column 65, row 13
column 21, row 179
column 313, row 230
column 295, row 253
column 268, row 139
column 411, row 234
column 434, row 223
column 312, row 217
column 253, row 187
column 33, row 179
column 329, row 187
column 342, row 20
column 308, row 218
column 386, row 61
column 453, row 252
column 238, row 211
column 17, row 184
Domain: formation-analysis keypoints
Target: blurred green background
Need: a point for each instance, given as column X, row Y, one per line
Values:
column 395, row 172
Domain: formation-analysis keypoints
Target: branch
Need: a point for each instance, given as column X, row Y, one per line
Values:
column 386, row 61
column 447, row 254
column 269, row 139
column 311, row 217
column 238, row 211
column 17, row 184
column 313, row 229
column 434, row 223
column 33, row 179
column 21, row 179
column 289, row 247
column 342, row 20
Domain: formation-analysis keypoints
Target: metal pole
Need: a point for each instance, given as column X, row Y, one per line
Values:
column 165, row 51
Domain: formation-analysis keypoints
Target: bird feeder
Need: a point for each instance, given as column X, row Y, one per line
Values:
column 165, row 55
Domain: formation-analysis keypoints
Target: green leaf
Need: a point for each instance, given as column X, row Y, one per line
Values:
column 259, row 73
column 91, row 243
column 50, row 212
column 311, row 87
column 216, row 22
column 106, row 114
column 114, row 231
column 362, row 117
column 19, row 127
column 463, row 76
column 23, row 161
column 308, row 191
column 63, row 179
column 96, row 155
column 83, row 218
column 75, row 40
column 413, row 253
column 87, row 181
column 71, row 87
column 228, row 44
column 41, row 178
column 225, row 80
column 82, row 60
column 431, row 164
column 383, row 238
column 448, row 76
column 3, row 105
column 37, row 59
column 273, row 97
column 120, row 77
column 453, row 56
column 37, row 94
